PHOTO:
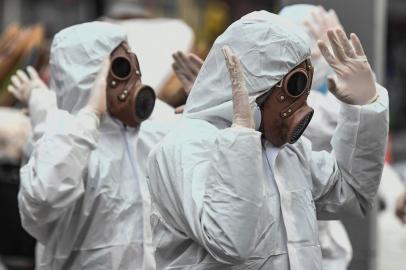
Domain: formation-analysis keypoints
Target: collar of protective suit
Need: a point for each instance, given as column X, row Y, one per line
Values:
column 267, row 45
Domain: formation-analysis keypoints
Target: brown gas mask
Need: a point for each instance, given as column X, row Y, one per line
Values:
column 127, row 98
column 284, row 110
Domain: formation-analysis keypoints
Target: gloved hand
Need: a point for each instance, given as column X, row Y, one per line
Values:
column 318, row 25
column 242, row 115
column 22, row 84
column 401, row 208
column 354, row 81
column 97, row 99
column 320, row 22
column 186, row 69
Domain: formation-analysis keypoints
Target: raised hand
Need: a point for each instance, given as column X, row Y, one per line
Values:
column 97, row 99
column 321, row 21
column 23, row 83
column 354, row 81
column 186, row 69
column 242, row 115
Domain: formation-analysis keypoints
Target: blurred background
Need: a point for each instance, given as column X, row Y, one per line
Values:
column 28, row 26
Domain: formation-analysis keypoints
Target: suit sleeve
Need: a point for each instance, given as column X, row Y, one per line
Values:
column 53, row 179
column 216, row 194
column 347, row 180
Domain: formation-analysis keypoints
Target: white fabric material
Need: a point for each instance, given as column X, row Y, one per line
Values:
column 82, row 193
column 40, row 103
column 324, row 122
column 334, row 241
column 218, row 200
column 391, row 232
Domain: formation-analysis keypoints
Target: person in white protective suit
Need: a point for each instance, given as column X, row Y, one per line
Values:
column 315, row 20
column 82, row 195
column 32, row 92
column 227, row 196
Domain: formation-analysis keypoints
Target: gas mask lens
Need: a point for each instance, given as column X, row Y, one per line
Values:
column 121, row 68
column 145, row 102
column 296, row 83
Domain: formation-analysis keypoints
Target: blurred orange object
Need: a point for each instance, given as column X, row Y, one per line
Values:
column 11, row 31
column 15, row 45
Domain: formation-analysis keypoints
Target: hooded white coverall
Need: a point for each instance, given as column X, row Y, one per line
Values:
column 82, row 195
column 224, row 199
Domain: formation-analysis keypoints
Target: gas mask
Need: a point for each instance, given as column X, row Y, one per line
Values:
column 284, row 110
column 127, row 98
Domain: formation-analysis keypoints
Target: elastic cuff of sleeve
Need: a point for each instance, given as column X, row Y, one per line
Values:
column 89, row 121
column 245, row 130
column 42, row 98
column 372, row 100
column 380, row 102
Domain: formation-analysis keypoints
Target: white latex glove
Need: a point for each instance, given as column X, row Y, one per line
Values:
column 242, row 115
column 354, row 81
column 186, row 69
column 320, row 22
column 318, row 25
column 97, row 99
column 22, row 84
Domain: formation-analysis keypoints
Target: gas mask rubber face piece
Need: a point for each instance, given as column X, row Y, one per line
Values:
column 128, row 99
column 284, row 109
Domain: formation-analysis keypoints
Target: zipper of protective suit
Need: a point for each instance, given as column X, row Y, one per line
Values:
column 130, row 153
column 280, row 188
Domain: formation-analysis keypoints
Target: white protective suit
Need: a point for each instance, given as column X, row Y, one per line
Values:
column 224, row 199
column 334, row 241
column 82, row 194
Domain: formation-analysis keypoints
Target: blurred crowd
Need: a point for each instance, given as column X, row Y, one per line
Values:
column 71, row 188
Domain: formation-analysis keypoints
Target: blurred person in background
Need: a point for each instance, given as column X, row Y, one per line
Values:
column 81, row 193
column 19, row 46
column 315, row 20
column 16, row 246
column 208, row 214
column 146, row 34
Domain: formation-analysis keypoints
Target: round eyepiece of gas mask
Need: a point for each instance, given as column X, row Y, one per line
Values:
column 121, row 68
column 296, row 83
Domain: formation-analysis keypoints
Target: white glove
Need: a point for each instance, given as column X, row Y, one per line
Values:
column 97, row 99
column 22, row 84
column 186, row 69
column 242, row 115
column 354, row 81
column 320, row 22
column 318, row 25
